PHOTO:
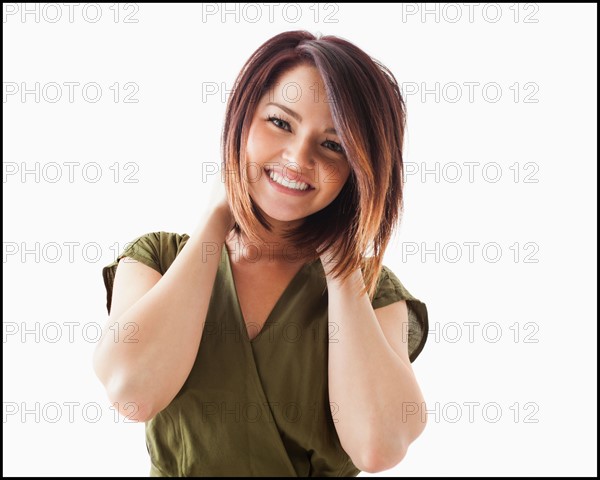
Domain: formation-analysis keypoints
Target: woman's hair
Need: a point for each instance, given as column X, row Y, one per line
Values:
column 369, row 115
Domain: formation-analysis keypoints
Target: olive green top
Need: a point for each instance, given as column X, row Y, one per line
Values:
column 257, row 407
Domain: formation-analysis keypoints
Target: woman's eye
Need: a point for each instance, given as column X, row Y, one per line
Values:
column 278, row 122
column 336, row 147
column 283, row 125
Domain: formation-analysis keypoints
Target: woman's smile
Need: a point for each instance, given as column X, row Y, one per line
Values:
column 287, row 184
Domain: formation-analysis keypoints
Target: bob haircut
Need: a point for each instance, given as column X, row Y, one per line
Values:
column 369, row 115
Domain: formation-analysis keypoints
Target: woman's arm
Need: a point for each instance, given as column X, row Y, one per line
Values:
column 371, row 386
column 149, row 369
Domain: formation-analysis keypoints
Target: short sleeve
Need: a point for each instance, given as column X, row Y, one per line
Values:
column 389, row 290
column 156, row 250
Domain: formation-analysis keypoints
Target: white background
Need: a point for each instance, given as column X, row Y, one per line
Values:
column 533, row 266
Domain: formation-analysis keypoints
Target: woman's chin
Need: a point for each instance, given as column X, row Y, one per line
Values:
column 283, row 217
column 278, row 214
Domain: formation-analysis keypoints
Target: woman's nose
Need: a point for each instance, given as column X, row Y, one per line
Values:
column 298, row 156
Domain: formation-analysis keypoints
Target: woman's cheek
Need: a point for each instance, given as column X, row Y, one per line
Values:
column 260, row 142
column 332, row 174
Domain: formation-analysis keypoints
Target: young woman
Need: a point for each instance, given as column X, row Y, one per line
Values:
column 272, row 341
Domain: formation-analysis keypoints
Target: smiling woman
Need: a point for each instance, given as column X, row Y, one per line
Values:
column 268, row 342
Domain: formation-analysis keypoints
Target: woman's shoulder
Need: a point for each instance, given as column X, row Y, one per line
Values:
column 163, row 240
column 156, row 250
column 161, row 246
column 163, row 237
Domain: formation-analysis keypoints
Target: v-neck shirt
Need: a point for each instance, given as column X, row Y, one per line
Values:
column 257, row 407
column 226, row 257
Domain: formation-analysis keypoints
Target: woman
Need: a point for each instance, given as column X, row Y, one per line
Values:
column 273, row 343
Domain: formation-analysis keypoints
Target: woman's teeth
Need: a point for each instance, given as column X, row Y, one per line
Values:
column 287, row 183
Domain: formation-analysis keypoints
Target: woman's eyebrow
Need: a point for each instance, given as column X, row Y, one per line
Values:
column 297, row 116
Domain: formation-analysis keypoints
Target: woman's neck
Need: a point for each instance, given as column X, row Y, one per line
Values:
column 272, row 248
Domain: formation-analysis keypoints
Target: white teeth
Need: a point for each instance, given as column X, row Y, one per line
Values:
column 286, row 183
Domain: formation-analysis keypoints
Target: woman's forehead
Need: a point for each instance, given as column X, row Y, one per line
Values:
column 301, row 87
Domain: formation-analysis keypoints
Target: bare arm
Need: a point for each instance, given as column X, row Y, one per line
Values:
column 169, row 312
column 371, row 381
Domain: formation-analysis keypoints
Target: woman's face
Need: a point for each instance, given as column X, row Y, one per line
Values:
column 292, row 135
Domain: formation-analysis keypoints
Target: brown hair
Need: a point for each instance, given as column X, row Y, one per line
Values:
column 369, row 115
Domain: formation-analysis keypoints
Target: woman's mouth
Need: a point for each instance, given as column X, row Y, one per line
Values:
column 290, row 187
